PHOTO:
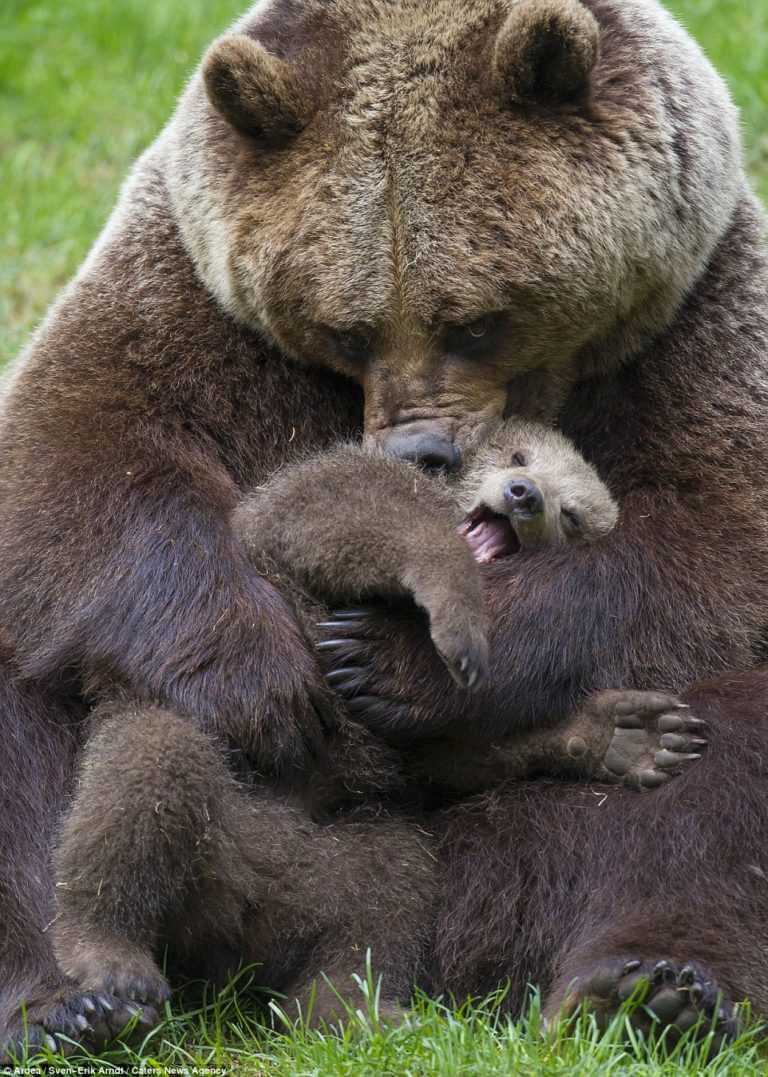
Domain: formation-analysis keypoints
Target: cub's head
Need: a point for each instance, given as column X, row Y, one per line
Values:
column 463, row 205
column 525, row 486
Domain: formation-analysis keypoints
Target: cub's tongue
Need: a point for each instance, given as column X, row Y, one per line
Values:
column 489, row 536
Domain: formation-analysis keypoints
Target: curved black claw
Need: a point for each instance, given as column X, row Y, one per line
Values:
column 382, row 665
column 345, row 652
column 381, row 715
column 347, row 681
column 354, row 613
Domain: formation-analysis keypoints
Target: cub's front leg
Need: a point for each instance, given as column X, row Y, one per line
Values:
column 350, row 525
column 638, row 739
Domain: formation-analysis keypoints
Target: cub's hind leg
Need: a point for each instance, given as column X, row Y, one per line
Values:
column 134, row 838
column 163, row 846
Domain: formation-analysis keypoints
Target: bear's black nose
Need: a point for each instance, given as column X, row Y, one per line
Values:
column 433, row 452
column 524, row 496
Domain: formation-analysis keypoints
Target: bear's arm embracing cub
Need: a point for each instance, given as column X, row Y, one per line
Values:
column 124, row 448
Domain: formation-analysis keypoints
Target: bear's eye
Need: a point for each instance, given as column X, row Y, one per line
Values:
column 571, row 518
column 474, row 338
column 519, row 460
column 353, row 344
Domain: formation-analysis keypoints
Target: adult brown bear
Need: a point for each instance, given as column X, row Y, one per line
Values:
column 461, row 209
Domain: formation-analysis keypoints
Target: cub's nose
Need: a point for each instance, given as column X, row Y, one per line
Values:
column 433, row 452
column 524, row 496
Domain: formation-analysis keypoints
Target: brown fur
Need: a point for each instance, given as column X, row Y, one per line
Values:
column 162, row 847
column 453, row 253
column 222, row 875
column 350, row 525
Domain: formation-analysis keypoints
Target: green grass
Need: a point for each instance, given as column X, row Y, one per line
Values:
column 84, row 86
column 224, row 1036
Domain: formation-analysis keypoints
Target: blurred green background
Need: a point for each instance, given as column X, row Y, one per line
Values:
column 86, row 84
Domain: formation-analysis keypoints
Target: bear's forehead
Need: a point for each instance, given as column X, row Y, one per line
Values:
column 430, row 194
column 449, row 218
column 285, row 27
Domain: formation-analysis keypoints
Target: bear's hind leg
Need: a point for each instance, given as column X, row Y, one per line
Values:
column 334, row 894
column 39, row 745
column 163, row 845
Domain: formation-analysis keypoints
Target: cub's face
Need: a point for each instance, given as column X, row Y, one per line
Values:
column 526, row 486
column 462, row 205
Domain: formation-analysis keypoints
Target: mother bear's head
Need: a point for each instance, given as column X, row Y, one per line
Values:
column 457, row 203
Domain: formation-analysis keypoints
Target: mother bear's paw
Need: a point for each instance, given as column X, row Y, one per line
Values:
column 671, row 994
column 65, row 1018
column 649, row 737
column 380, row 660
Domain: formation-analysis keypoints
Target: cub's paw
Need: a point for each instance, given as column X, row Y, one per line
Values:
column 653, row 737
column 114, row 967
column 67, row 1018
column 462, row 644
column 673, row 994
column 124, row 977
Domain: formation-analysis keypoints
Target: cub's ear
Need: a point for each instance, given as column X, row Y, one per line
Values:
column 545, row 51
column 258, row 93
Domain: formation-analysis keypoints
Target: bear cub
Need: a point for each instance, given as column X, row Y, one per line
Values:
column 352, row 524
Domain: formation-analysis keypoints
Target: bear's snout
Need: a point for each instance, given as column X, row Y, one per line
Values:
column 431, row 451
column 523, row 496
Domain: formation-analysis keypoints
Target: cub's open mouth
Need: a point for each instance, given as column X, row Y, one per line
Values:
column 489, row 535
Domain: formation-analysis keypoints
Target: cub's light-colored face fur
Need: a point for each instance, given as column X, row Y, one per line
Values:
column 456, row 203
column 575, row 504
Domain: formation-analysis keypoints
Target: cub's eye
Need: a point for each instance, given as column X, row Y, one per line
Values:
column 352, row 344
column 572, row 519
column 475, row 338
column 519, row 460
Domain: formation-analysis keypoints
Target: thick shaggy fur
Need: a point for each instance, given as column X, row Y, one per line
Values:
column 590, row 226
column 222, row 874
column 162, row 846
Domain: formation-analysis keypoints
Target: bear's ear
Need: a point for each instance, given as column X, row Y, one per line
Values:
column 546, row 50
column 258, row 93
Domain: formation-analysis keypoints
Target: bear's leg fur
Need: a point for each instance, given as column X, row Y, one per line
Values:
column 36, row 1001
column 586, row 889
column 207, row 866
